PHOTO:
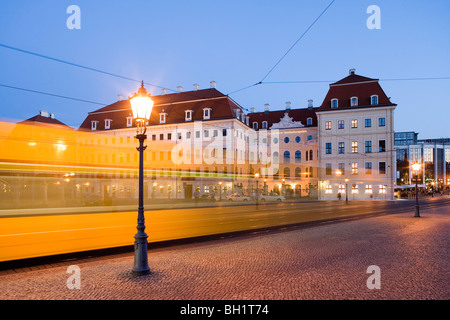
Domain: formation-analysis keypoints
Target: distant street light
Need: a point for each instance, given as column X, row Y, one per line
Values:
column 220, row 190
column 141, row 105
column 416, row 168
column 257, row 187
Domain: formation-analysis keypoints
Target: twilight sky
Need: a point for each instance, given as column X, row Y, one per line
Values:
column 234, row 42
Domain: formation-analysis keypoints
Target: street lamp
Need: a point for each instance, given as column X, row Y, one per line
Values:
column 346, row 190
column 141, row 105
column 220, row 190
column 257, row 187
column 416, row 169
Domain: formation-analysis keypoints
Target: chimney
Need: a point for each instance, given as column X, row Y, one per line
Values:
column 43, row 113
column 119, row 97
column 52, row 115
column 310, row 104
column 288, row 106
column 252, row 110
column 179, row 89
column 266, row 108
column 352, row 71
column 195, row 86
column 163, row 91
column 212, row 84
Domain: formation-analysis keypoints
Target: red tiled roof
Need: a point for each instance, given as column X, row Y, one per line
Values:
column 275, row 116
column 44, row 120
column 174, row 105
column 355, row 86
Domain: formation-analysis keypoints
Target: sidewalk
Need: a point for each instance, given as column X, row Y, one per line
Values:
column 327, row 261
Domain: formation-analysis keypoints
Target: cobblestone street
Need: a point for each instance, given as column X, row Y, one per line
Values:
column 326, row 261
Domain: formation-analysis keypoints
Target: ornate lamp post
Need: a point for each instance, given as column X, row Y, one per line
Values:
column 346, row 190
column 220, row 190
column 257, row 189
column 141, row 105
column 416, row 169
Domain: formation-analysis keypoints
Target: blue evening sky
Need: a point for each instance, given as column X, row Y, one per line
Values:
column 234, row 42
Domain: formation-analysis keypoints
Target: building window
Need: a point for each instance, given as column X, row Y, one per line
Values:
column 341, row 168
column 381, row 122
column 206, row 133
column 368, row 188
column 298, row 172
column 327, row 125
column 298, row 139
column 354, row 167
column 275, row 157
column 224, row 132
column 94, row 125
column 367, row 123
column 368, row 146
column 341, row 188
column 354, row 146
column 286, row 139
column 298, row 156
column 354, row 101
column 328, row 148
column 161, row 136
column 309, row 121
column 287, row 173
column 354, row 123
column 328, row 189
column 341, row 147
column 188, row 115
column 328, row 169
column 334, row 103
column 107, row 123
column 340, row 124
column 129, row 121
column 206, row 113
column 153, row 137
column 162, row 117
column 355, row 189
column 374, row 100
column 310, row 154
column 382, row 167
column 381, row 145
column 264, row 124
column 255, row 125
column 368, row 167
column 287, row 157
column 382, row 189
column 188, row 134
column 309, row 138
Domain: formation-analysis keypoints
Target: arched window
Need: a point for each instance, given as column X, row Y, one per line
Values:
column 298, row 172
column 287, row 157
column 287, row 173
column 264, row 124
column 298, row 156
column 276, row 157
column 310, row 155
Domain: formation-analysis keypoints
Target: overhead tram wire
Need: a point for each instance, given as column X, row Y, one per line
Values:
column 52, row 94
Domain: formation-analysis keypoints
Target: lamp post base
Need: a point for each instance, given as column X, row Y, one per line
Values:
column 416, row 214
column 140, row 254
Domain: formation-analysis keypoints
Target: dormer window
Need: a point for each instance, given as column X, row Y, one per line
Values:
column 309, row 121
column 264, row 124
column 94, row 125
column 129, row 121
column 255, row 125
column 374, row 99
column 206, row 113
column 188, row 115
column 354, row 101
column 236, row 111
column 334, row 103
column 162, row 117
column 107, row 123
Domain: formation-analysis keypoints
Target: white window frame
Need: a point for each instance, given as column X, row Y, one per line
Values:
column 337, row 103
column 255, row 125
column 372, row 96
column 162, row 117
column 107, row 123
column 206, row 113
column 353, row 104
column 94, row 125
column 188, row 115
column 129, row 121
column 264, row 125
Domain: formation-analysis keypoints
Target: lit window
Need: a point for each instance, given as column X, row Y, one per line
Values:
column 353, row 101
column 341, row 188
column 354, row 123
column 328, row 189
column 354, row 146
column 368, row 167
column 354, row 167
column 355, row 188
column 368, row 189
column 328, row 169
column 327, row 125
column 382, row 189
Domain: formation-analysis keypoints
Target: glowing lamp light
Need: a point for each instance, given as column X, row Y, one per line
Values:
column 141, row 105
column 416, row 167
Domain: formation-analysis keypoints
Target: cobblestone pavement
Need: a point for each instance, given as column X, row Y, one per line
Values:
column 327, row 261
